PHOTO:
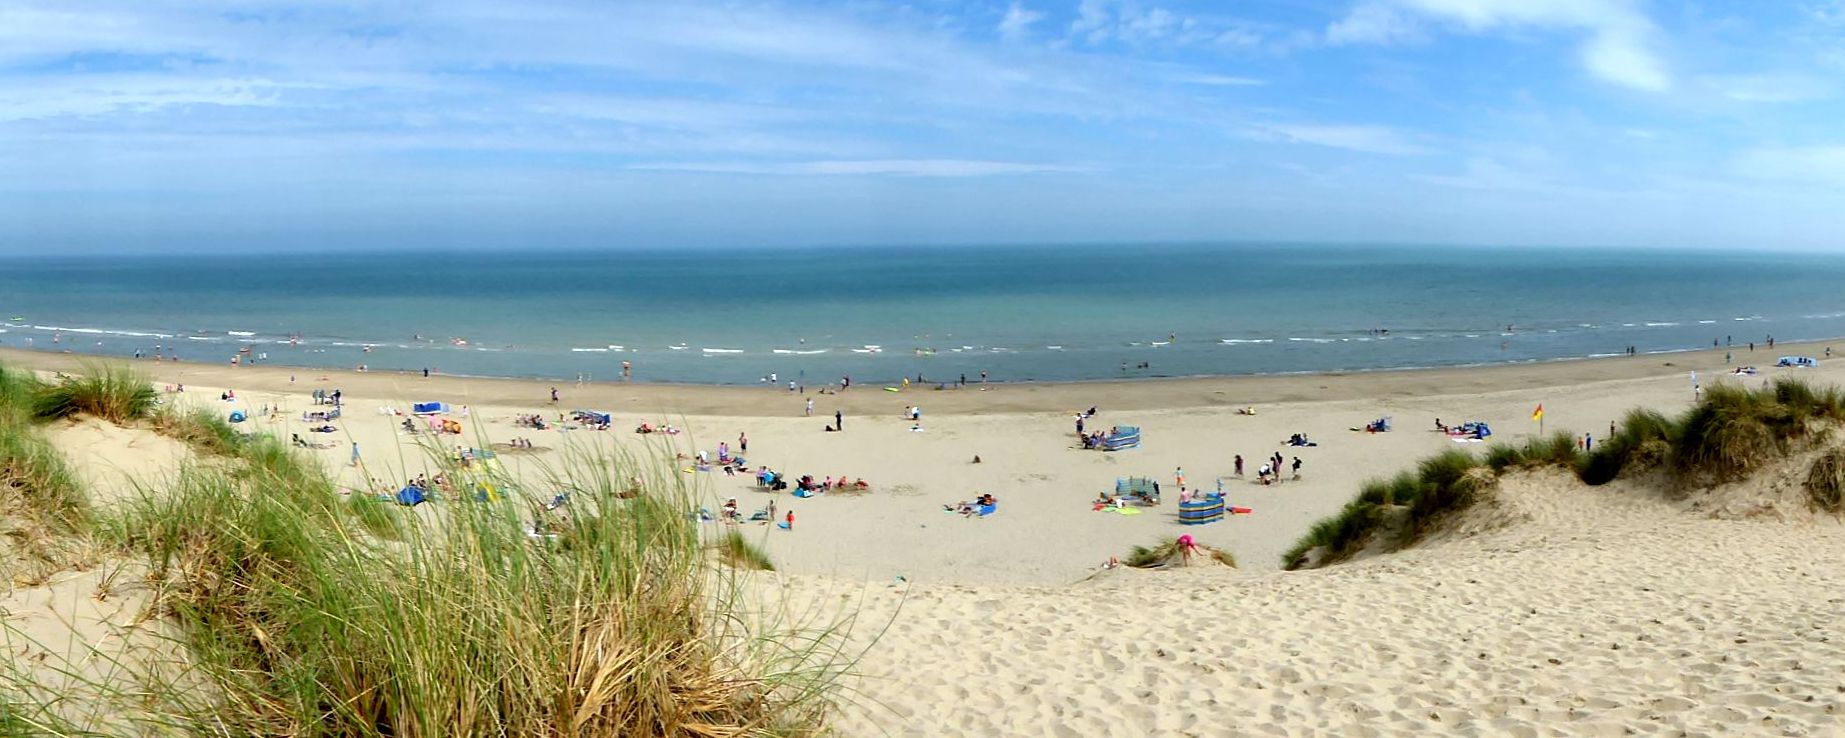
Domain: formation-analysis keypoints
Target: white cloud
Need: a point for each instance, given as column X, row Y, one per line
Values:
column 106, row 94
column 1374, row 23
column 1770, row 88
column 1619, row 48
column 1128, row 21
column 898, row 167
column 1369, row 139
column 1221, row 80
column 1018, row 21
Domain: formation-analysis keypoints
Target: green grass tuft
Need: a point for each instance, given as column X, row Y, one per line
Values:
column 201, row 429
column 112, row 392
column 1441, row 485
column 1555, row 450
column 303, row 620
column 1167, row 550
column 1826, row 481
column 737, row 551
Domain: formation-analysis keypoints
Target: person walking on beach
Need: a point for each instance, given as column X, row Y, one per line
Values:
column 425, row 372
column 554, row 395
column 1297, row 468
column 839, row 420
column 810, row 407
column 743, row 443
column 627, row 371
column 355, row 453
column 1178, row 476
column 1239, row 465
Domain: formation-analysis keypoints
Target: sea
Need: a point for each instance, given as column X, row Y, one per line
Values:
column 1014, row 313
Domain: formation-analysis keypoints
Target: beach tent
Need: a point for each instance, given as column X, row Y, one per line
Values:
column 237, row 416
column 1126, row 436
column 593, row 416
column 410, row 496
column 429, row 408
column 1201, row 511
column 1799, row 361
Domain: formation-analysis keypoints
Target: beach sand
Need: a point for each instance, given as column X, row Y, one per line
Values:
column 1578, row 612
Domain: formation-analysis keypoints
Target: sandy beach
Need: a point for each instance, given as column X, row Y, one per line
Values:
column 1569, row 612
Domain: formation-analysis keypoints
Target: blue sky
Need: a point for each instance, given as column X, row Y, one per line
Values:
column 233, row 125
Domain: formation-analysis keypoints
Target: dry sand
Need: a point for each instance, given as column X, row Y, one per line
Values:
column 1657, row 619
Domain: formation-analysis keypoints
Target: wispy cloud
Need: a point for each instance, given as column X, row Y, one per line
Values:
column 1619, row 48
column 1131, row 22
column 898, row 167
column 1018, row 21
column 1368, row 139
column 1770, row 88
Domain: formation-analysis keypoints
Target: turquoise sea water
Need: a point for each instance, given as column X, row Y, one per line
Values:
column 1019, row 313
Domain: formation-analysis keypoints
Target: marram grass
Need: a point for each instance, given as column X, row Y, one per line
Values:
column 303, row 613
column 109, row 391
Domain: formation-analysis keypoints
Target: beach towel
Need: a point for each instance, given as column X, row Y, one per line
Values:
column 783, row 526
column 803, row 494
column 1128, row 510
column 985, row 510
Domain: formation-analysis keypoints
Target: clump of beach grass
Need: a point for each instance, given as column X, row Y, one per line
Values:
column 44, row 511
column 1825, row 481
column 303, row 621
column 1396, row 512
column 1165, row 552
column 739, row 552
column 112, row 392
column 199, row 428
column 1555, row 450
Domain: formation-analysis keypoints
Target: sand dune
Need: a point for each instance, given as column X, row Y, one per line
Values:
column 1593, row 612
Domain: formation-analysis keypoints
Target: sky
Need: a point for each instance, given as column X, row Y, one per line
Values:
column 232, row 126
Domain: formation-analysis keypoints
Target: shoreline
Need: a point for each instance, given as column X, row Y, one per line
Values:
column 1140, row 393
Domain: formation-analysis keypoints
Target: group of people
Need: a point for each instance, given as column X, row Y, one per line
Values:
column 1098, row 438
column 984, row 504
column 1270, row 471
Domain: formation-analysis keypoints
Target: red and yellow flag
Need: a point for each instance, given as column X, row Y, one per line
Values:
column 1538, row 414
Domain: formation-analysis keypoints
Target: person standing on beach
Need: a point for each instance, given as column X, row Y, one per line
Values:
column 627, row 371
column 554, row 395
column 425, row 372
column 1239, row 465
column 983, row 377
column 810, row 407
column 355, row 453
column 1178, row 476
column 1297, row 468
column 839, row 420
